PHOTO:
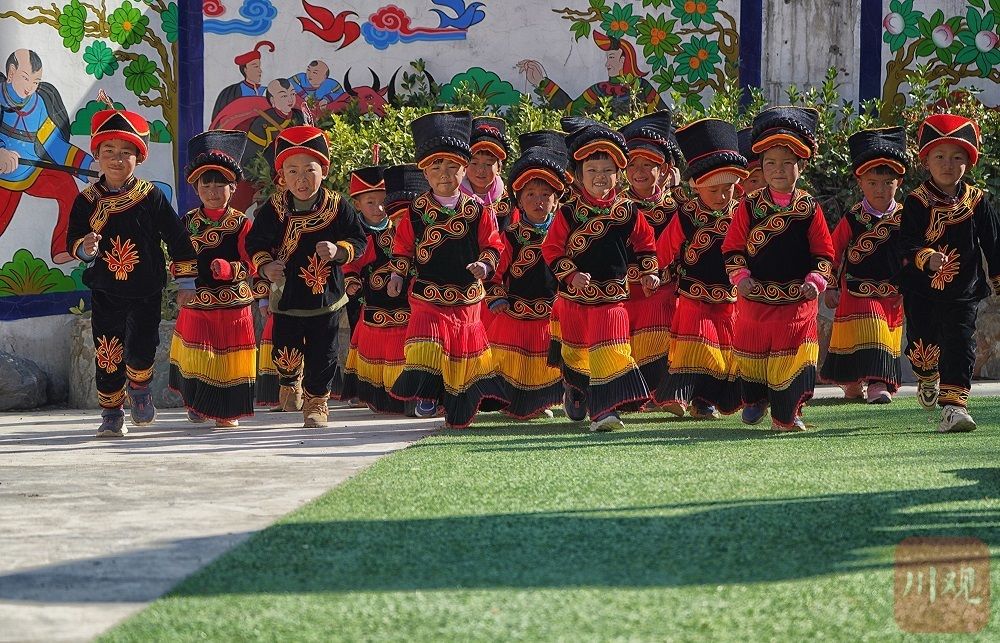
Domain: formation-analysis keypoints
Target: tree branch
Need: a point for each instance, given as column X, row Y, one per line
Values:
column 45, row 17
column 569, row 14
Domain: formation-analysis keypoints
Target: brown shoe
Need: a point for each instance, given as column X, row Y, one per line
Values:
column 289, row 398
column 227, row 424
column 315, row 412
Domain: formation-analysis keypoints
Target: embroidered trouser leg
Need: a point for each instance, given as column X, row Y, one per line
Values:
column 940, row 343
column 312, row 340
column 126, row 334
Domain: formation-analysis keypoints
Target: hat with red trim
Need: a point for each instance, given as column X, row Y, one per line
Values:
column 254, row 54
column 793, row 127
column 587, row 137
column 949, row 128
column 122, row 125
column 489, row 134
column 539, row 163
column 366, row 179
column 881, row 146
column 403, row 183
column 442, row 135
column 712, row 149
column 649, row 137
column 219, row 150
column 301, row 139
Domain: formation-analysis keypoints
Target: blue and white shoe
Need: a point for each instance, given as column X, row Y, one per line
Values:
column 610, row 422
column 754, row 413
column 112, row 424
column 143, row 411
column 425, row 409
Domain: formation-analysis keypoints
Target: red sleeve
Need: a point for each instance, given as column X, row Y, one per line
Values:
column 242, row 247
column 368, row 256
column 554, row 248
column 403, row 245
column 736, row 238
column 841, row 238
column 643, row 239
column 490, row 243
column 821, row 246
column 670, row 242
column 506, row 257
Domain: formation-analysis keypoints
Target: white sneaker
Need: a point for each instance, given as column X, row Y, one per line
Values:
column 547, row 414
column 956, row 419
column 608, row 423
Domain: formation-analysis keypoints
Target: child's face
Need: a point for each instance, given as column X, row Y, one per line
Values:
column 781, row 168
column 444, row 176
column 947, row 164
column 599, row 176
column 118, row 160
column 214, row 195
column 303, row 175
column 879, row 189
column 483, row 170
column 716, row 197
column 754, row 182
column 371, row 205
column 536, row 200
column 643, row 175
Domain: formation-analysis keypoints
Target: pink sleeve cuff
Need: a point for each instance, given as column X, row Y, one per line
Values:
column 817, row 280
column 223, row 269
column 737, row 276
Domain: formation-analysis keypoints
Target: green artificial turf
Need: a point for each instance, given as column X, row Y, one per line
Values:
column 669, row 530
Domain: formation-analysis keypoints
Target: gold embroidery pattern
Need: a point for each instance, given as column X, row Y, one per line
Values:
column 184, row 268
column 316, row 274
column 735, row 262
column 869, row 240
column 710, row 293
column 351, row 281
column 299, row 225
column 598, row 226
column 563, row 268
column 924, row 357
column 455, row 226
column 660, row 213
column 954, row 395
column 261, row 289
column 122, row 258
column 139, row 376
column 825, row 268
column 210, row 234
column 599, row 292
column 289, row 361
column 384, row 239
column 648, row 265
column 260, row 258
column 870, row 289
column 769, row 292
column 527, row 258
column 705, row 237
column 111, row 400
column 115, row 203
column 379, row 278
column 109, row 353
column 490, row 257
column 400, row 265
column 387, row 318
column 801, row 208
column 948, row 270
column 530, row 308
column 449, row 295
column 224, row 297
column 944, row 215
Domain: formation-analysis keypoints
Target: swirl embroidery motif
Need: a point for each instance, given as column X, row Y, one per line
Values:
column 711, row 293
column 597, row 227
column 206, row 234
column 240, row 295
column 115, row 203
column 868, row 241
column 449, row 295
column 299, row 225
column 385, row 318
column 109, row 353
column 705, row 236
column 778, row 221
column 530, row 308
column 455, row 226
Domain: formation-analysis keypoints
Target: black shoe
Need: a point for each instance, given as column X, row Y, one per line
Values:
column 575, row 405
column 112, row 424
column 143, row 411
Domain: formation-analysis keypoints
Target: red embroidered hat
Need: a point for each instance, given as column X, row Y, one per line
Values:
column 302, row 139
column 366, row 179
column 254, row 54
column 489, row 134
column 112, row 124
column 949, row 128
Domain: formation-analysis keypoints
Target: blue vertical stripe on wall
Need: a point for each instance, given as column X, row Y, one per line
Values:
column 751, row 37
column 191, row 91
column 870, row 63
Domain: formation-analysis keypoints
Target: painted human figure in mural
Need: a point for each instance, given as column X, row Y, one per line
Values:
column 34, row 131
column 622, row 66
column 250, row 67
column 315, row 83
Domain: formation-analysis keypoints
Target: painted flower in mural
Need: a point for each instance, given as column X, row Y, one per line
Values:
column 698, row 59
column 100, row 60
column 71, row 21
column 140, row 75
column 657, row 37
column 980, row 42
column 128, row 25
column 620, row 22
column 939, row 37
column 169, row 18
column 695, row 12
column 901, row 23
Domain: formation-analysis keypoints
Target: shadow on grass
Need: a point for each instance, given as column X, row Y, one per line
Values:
column 670, row 545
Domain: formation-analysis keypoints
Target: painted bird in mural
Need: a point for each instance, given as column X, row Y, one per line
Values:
column 465, row 16
column 330, row 27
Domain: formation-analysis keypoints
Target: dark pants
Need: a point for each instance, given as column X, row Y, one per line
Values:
column 940, row 342
column 353, row 312
column 312, row 339
column 126, row 334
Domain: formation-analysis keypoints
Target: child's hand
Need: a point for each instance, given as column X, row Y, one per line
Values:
column 395, row 285
column 831, row 298
column 353, row 289
column 650, row 283
column 809, row 290
column 90, row 243
column 745, row 287
column 935, row 262
column 326, row 250
column 478, row 269
column 274, row 271
column 580, row 280
column 499, row 307
column 265, row 307
column 184, row 297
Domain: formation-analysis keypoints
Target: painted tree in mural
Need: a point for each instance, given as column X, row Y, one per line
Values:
column 686, row 46
column 951, row 48
column 119, row 36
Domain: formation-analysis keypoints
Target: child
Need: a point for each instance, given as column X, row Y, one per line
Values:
column 490, row 148
column 452, row 244
column 116, row 227
column 519, row 335
column 377, row 357
column 755, row 180
column 778, row 255
column 213, row 354
column 702, row 373
column 868, row 325
column 649, row 315
column 299, row 240
column 589, row 247
column 947, row 227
